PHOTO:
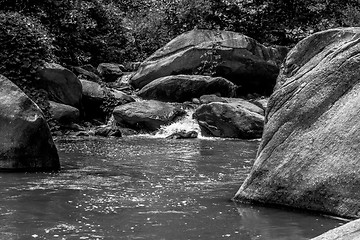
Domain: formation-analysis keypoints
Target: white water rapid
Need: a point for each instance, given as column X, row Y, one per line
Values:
column 186, row 123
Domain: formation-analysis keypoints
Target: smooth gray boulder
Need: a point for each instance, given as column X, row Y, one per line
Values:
column 147, row 115
column 242, row 60
column 61, row 84
column 25, row 139
column 348, row 231
column 64, row 113
column 95, row 97
column 309, row 155
column 235, row 119
column 181, row 88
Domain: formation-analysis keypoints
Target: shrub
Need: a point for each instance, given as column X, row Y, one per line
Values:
column 25, row 45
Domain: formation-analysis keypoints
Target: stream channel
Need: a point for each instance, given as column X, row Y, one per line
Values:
column 146, row 187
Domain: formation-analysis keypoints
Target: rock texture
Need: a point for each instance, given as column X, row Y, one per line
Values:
column 181, row 88
column 61, row 84
column 244, row 61
column 25, row 140
column 110, row 71
column 309, row 156
column 236, row 119
column 94, row 95
column 146, row 115
column 64, row 113
column 349, row 231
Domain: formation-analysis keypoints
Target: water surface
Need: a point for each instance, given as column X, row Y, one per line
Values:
column 146, row 188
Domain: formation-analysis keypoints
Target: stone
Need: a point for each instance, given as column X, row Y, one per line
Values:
column 64, row 113
column 94, row 96
column 261, row 102
column 243, row 61
column 309, row 155
column 230, row 120
column 107, row 131
column 86, row 75
column 61, row 84
column 181, row 88
column 183, row 135
column 26, row 143
column 348, row 231
column 110, row 72
column 209, row 98
column 147, row 115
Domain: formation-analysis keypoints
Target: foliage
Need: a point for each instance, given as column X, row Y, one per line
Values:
column 210, row 61
column 25, row 44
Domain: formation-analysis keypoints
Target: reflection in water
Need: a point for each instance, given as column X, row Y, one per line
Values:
column 145, row 188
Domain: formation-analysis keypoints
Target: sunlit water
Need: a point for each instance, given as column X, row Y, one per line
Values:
column 145, row 188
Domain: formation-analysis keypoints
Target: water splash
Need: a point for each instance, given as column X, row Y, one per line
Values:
column 187, row 123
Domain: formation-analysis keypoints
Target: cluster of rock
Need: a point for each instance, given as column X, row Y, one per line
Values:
column 164, row 93
column 168, row 82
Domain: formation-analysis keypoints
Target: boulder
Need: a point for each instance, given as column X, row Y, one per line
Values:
column 181, row 88
column 309, row 155
column 110, row 71
column 348, row 231
column 230, row 120
column 147, row 115
column 64, row 113
column 86, row 75
column 61, row 84
column 251, row 106
column 25, row 140
column 94, row 96
column 243, row 60
column 209, row 98
column 108, row 131
column 183, row 135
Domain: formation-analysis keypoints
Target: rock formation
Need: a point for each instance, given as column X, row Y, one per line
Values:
column 309, row 155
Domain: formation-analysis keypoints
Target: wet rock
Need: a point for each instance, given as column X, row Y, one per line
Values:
column 86, row 75
column 181, row 88
column 349, row 231
column 25, row 140
column 309, row 154
column 147, row 115
column 64, row 113
column 107, row 131
column 61, row 84
column 183, row 135
column 230, row 120
column 94, row 96
column 243, row 61
column 211, row 98
column 110, row 71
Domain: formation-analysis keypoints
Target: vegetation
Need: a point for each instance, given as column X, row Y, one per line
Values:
column 78, row 32
column 94, row 31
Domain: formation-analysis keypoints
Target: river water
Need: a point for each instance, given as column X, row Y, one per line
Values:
column 146, row 188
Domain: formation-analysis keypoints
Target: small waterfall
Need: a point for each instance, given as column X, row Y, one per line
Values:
column 186, row 123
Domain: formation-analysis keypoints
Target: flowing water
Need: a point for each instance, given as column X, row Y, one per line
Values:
column 146, row 188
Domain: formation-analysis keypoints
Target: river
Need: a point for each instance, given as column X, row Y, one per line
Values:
column 146, row 188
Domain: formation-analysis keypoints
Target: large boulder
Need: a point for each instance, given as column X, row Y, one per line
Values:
column 95, row 96
column 309, row 155
column 181, row 88
column 25, row 140
column 64, row 113
column 348, row 231
column 147, row 115
column 61, row 84
column 243, row 60
column 235, row 119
